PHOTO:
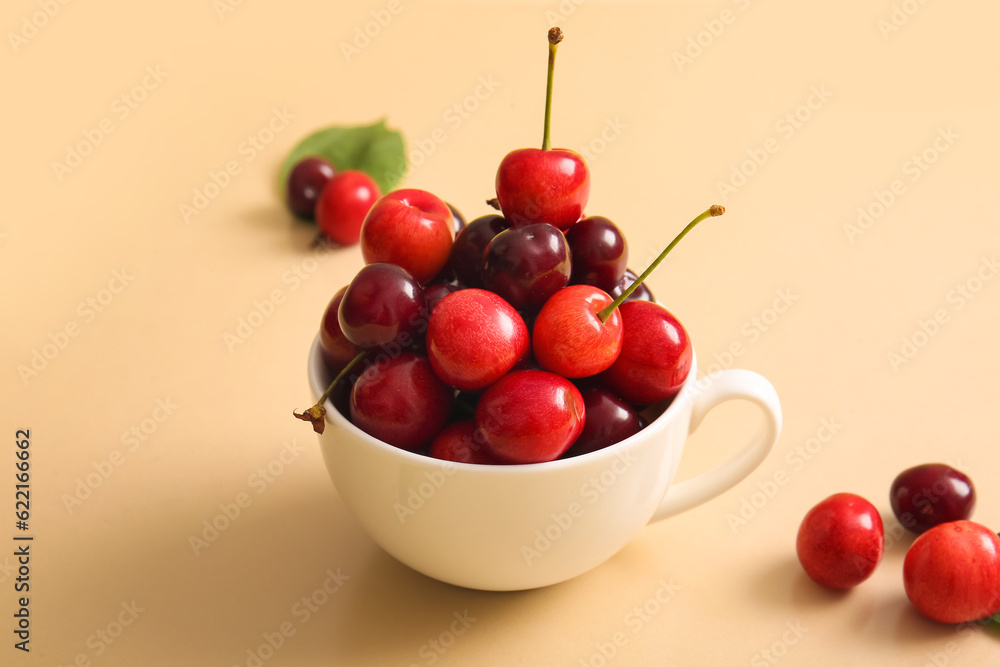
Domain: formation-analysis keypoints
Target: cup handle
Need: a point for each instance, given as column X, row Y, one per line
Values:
column 718, row 388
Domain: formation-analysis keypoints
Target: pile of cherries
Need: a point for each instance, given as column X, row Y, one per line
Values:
column 520, row 337
column 951, row 572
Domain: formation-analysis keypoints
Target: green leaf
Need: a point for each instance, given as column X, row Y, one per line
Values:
column 373, row 149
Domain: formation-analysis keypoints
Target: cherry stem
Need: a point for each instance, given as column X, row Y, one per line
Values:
column 712, row 211
column 555, row 36
column 317, row 413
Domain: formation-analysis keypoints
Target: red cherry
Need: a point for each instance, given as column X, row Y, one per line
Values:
column 656, row 354
column 337, row 350
column 460, row 443
column 409, row 228
column 840, row 541
column 537, row 185
column 951, row 573
column 530, row 416
column 343, row 205
column 568, row 337
column 401, row 401
column 474, row 338
column 543, row 185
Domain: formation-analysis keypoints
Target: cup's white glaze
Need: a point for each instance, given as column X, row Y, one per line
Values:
column 525, row 526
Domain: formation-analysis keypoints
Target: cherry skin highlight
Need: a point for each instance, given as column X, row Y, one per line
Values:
column 951, row 573
column 569, row 339
column 336, row 349
column 382, row 305
column 401, row 402
column 343, row 205
column 528, row 265
column 530, row 416
column 655, row 358
column 599, row 252
column 931, row 494
column 306, row 182
column 840, row 541
column 536, row 185
column 474, row 338
column 409, row 228
column 609, row 421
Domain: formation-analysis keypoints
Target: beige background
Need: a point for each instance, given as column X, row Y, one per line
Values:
column 661, row 136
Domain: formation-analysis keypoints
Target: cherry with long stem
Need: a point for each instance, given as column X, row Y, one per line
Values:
column 711, row 212
column 317, row 413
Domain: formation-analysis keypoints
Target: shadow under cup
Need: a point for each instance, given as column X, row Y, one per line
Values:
column 513, row 527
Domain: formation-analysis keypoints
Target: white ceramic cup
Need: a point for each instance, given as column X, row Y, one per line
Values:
column 525, row 526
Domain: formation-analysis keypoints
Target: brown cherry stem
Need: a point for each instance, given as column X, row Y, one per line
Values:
column 317, row 413
column 713, row 210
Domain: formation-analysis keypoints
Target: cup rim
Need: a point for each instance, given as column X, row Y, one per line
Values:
column 334, row 417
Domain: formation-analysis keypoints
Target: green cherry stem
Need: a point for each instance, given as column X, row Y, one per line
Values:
column 317, row 413
column 555, row 36
column 713, row 210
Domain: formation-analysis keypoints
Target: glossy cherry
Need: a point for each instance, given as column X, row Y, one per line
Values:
column 383, row 304
column 474, row 338
column 527, row 265
column 840, row 541
column 570, row 339
column 530, row 416
column 306, row 182
column 951, row 573
column 401, row 401
column 465, row 263
column 599, row 252
column 930, row 494
column 640, row 293
column 336, row 349
column 343, row 205
column 409, row 228
column 610, row 419
column 544, row 185
column 656, row 354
